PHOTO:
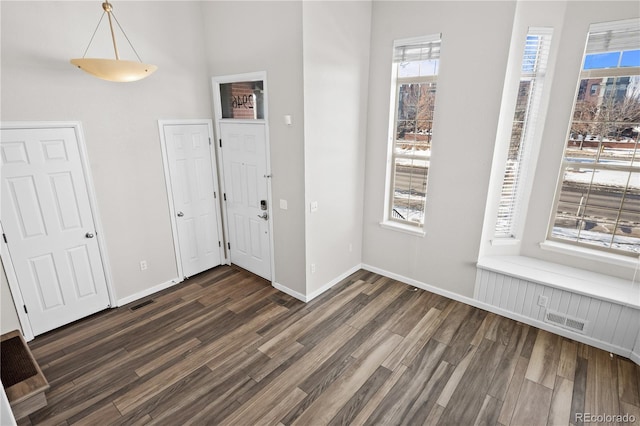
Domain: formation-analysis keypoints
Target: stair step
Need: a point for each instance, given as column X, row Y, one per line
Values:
column 22, row 378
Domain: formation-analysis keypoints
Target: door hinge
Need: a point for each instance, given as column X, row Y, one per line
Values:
column 214, row 194
column 25, row 309
column 209, row 141
column 219, row 244
column 220, row 142
column 225, row 196
column 4, row 237
column 229, row 246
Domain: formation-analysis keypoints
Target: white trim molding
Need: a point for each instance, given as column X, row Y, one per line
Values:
column 149, row 291
column 14, row 288
column 295, row 294
column 93, row 205
column 216, row 81
column 333, row 282
column 167, row 179
column 309, row 297
column 592, row 308
column 622, row 351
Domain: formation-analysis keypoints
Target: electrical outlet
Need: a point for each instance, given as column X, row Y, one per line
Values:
column 143, row 265
column 283, row 204
column 313, row 268
column 314, row 206
column 543, row 301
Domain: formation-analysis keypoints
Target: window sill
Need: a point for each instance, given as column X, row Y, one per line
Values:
column 590, row 254
column 579, row 281
column 505, row 242
column 407, row 229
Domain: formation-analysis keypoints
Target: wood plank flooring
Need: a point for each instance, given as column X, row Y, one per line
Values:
column 226, row 348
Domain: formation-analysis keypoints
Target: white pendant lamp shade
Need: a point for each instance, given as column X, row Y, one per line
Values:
column 117, row 70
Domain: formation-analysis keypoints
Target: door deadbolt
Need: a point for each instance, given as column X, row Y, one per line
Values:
column 88, row 235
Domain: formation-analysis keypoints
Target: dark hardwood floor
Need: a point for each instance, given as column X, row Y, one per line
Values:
column 226, row 348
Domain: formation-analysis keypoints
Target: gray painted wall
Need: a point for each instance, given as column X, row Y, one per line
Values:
column 119, row 119
column 336, row 69
column 192, row 41
column 473, row 62
column 267, row 36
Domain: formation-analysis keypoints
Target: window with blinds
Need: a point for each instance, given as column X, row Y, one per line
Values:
column 598, row 198
column 532, row 72
column 415, row 71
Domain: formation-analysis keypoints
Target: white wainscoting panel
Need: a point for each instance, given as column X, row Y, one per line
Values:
column 608, row 322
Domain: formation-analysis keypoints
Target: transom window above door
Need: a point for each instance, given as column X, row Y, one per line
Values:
column 242, row 100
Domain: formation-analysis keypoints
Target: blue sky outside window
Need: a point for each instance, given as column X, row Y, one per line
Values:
column 530, row 53
column 601, row 60
column 630, row 58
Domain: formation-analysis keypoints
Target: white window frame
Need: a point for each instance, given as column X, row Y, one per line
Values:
column 510, row 226
column 389, row 221
column 552, row 240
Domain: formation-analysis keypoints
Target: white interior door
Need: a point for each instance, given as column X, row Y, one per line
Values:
column 245, row 175
column 50, row 229
column 192, row 172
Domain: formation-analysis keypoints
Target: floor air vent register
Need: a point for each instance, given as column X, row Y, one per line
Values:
column 566, row 321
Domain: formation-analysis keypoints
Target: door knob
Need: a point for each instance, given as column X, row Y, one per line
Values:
column 264, row 216
column 180, row 214
column 88, row 235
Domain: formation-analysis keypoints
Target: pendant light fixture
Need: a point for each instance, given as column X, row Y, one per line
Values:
column 113, row 69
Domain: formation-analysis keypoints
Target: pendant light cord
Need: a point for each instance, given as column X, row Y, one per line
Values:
column 93, row 35
column 121, row 29
column 126, row 37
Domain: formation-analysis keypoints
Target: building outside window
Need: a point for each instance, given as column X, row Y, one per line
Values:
column 598, row 201
column 415, row 72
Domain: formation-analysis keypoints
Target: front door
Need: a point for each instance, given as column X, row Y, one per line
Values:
column 244, row 157
column 49, row 226
column 191, row 172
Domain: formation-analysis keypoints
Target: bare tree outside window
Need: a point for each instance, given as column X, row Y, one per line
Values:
column 598, row 202
column 416, row 67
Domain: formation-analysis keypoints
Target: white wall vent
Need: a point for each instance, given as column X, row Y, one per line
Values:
column 575, row 324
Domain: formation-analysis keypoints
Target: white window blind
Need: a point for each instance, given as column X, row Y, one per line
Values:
column 613, row 36
column 532, row 72
column 417, row 51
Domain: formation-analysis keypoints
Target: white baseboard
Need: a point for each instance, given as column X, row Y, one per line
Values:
column 307, row 298
column 421, row 285
column 514, row 316
column 333, row 282
column 147, row 292
column 290, row 292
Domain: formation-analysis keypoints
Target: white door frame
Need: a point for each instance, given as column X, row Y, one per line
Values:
column 217, row 109
column 167, row 181
column 12, row 278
